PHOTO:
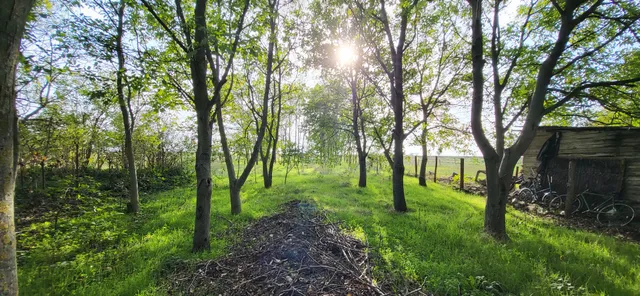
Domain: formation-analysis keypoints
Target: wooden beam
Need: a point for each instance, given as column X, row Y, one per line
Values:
column 461, row 174
column 435, row 172
column 571, row 188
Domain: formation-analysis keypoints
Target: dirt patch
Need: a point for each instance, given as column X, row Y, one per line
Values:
column 295, row 252
column 629, row 232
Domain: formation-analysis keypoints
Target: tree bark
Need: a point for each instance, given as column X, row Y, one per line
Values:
column 399, row 203
column 267, row 178
column 362, row 161
column 422, row 179
column 496, row 207
column 13, row 18
column 42, row 174
column 269, row 158
column 201, row 239
column 134, row 203
column 234, row 193
column 362, row 156
column 198, row 67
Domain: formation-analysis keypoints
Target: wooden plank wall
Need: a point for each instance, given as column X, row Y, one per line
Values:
column 632, row 180
column 529, row 161
column 603, row 143
column 593, row 143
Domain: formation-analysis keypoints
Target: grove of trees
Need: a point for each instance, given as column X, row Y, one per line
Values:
column 146, row 85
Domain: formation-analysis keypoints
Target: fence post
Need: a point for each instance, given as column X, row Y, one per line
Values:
column 415, row 163
column 571, row 188
column 435, row 172
column 461, row 174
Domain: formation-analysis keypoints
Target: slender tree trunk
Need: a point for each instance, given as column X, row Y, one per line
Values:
column 198, row 68
column 234, row 193
column 87, row 155
column 42, row 174
column 422, row 179
column 134, row 204
column 362, row 160
column 201, row 239
column 267, row 177
column 362, row 157
column 278, row 114
column 13, row 17
column 399, row 202
column 76, row 159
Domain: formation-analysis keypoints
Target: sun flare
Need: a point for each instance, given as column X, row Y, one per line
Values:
column 346, row 55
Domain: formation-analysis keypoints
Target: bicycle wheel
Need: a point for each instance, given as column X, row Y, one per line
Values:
column 616, row 215
column 526, row 195
column 556, row 205
column 547, row 197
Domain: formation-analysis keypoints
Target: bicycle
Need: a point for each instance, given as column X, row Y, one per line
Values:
column 610, row 213
column 532, row 192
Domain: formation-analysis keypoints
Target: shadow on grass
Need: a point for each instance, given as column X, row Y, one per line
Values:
column 439, row 241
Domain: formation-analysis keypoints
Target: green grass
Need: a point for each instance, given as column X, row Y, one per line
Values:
column 439, row 241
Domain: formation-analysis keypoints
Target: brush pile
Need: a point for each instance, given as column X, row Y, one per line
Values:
column 295, row 252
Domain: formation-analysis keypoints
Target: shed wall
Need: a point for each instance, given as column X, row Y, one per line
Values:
column 594, row 144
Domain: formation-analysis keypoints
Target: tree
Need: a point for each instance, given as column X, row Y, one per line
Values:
column 283, row 67
column 326, row 122
column 236, row 182
column 586, row 35
column 196, row 48
column 127, row 114
column 438, row 76
column 346, row 62
column 268, row 151
column 391, row 61
column 14, row 18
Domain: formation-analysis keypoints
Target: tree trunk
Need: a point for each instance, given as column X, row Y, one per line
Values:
column 362, row 157
column 274, row 139
column 201, row 240
column 198, row 68
column 496, row 207
column 267, row 177
column 399, row 202
column 134, row 204
column 87, row 155
column 14, row 16
column 236, row 183
column 76, row 161
column 362, row 160
column 42, row 174
column 236, row 204
column 422, row 179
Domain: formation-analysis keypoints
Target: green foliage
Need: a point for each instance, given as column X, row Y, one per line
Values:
column 439, row 242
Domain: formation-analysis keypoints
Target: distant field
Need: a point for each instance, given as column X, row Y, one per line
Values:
column 447, row 165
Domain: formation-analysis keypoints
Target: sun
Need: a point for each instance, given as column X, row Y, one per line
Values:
column 346, row 55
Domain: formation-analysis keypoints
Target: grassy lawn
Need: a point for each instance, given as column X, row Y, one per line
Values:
column 438, row 242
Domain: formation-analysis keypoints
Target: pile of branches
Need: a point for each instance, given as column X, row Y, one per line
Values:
column 295, row 252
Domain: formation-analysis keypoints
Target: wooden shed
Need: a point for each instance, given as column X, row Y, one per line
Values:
column 607, row 159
